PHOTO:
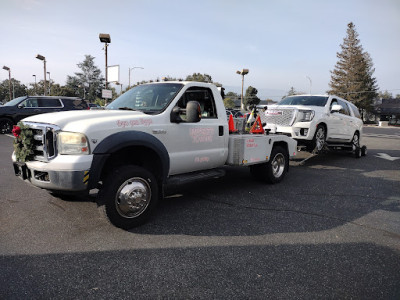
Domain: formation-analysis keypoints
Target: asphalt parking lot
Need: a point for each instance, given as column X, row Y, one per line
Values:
column 331, row 229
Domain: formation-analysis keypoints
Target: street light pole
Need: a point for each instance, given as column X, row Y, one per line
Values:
column 129, row 86
column 49, row 83
column 106, row 39
column 41, row 57
column 35, row 84
column 243, row 72
column 310, row 83
column 9, row 79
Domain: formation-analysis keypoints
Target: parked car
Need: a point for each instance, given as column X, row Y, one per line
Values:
column 94, row 106
column 315, row 121
column 17, row 109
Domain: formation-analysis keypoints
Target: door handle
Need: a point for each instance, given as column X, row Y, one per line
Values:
column 221, row 130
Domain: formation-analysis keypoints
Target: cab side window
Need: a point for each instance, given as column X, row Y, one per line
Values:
column 31, row 102
column 202, row 95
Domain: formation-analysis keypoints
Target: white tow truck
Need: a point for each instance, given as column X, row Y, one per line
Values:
column 151, row 136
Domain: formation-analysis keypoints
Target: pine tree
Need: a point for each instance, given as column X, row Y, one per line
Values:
column 352, row 77
column 88, row 83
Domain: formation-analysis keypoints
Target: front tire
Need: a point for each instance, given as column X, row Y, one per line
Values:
column 6, row 125
column 130, row 195
column 275, row 169
column 318, row 142
column 356, row 146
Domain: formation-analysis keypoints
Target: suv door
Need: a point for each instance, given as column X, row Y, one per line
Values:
column 26, row 108
column 347, row 121
column 335, row 122
column 197, row 146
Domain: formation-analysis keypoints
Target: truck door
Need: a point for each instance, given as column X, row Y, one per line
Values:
column 197, row 146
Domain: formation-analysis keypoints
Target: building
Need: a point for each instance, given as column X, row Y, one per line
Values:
column 388, row 110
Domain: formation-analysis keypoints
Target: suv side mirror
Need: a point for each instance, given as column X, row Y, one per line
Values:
column 336, row 108
column 192, row 113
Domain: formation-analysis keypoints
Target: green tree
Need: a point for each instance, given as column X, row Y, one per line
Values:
column 352, row 77
column 385, row 95
column 199, row 77
column 250, row 97
column 232, row 95
column 292, row 92
column 17, row 90
column 229, row 103
column 89, row 82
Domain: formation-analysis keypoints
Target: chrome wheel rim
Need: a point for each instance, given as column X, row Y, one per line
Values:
column 278, row 165
column 320, row 139
column 133, row 197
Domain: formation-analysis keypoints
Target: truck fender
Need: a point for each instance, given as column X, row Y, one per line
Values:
column 120, row 140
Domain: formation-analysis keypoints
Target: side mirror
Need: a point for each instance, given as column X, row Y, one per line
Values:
column 192, row 113
column 176, row 114
column 20, row 106
column 336, row 108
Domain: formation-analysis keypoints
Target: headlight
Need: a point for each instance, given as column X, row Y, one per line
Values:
column 72, row 143
column 305, row 115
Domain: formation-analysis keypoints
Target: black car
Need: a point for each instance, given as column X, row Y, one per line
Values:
column 17, row 109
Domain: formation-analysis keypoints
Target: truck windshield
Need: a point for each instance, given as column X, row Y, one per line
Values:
column 148, row 98
column 304, row 100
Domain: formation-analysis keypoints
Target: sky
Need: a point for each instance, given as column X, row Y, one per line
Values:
column 283, row 43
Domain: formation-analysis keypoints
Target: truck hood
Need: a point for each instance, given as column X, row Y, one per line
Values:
column 81, row 120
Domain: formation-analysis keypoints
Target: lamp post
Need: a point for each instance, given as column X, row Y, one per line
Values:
column 129, row 86
column 49, row 83
column 35, row 84
column 9, row 79
column 106, row 39
column 310, row 83
column 41, row 57
column 243, row 72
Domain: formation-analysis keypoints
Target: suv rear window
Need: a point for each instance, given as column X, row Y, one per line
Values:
column 49, row 102
column 304, row 100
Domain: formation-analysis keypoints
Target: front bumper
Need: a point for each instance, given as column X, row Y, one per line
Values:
column 299, row 131
column 45, row 176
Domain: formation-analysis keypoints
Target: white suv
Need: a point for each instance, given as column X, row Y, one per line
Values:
column 315, row 121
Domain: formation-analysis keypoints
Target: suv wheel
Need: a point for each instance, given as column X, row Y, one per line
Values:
column 318, row 142
column 355, row 142
column 6, row 125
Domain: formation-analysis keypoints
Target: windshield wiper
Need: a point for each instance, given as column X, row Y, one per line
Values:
column 126, row 108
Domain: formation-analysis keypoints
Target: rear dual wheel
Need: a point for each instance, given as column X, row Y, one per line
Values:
column 275, row 169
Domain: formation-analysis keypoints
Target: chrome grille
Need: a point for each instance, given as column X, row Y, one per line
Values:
column 279, row 116
column 45, row 140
